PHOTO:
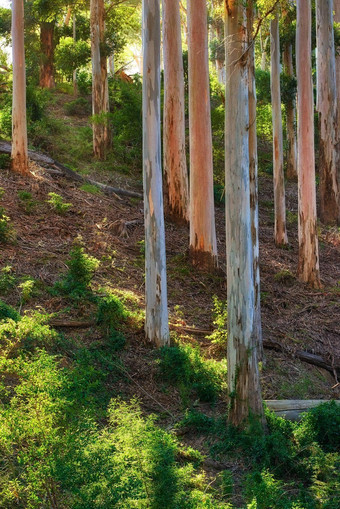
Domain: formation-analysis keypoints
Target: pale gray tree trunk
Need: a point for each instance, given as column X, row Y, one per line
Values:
column 327, row 108
column 112, row 64
column 290, row 116
column 176, row 185
column 19, row 123
column 203, row 246
column 243, row 373
column 253, row 177
column 308, row 269
column 337, row 65
column 280, row 234
column 156, row 313
column 100, row 95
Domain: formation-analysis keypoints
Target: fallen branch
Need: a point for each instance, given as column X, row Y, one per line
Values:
column 71, row 324
column 52, row 165
column 292, row 409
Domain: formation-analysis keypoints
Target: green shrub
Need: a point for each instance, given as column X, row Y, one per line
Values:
column 30, row 332
column 80, row 106
column 111, row 312
column 8, row 312
column 184, row 366
column 7, row 279
column 220, row 314
column 57, row 203
column 6, row 121
column 81, row 269
column 27, row 201
column 27, row 288
column 6, row 228
column 5, row 161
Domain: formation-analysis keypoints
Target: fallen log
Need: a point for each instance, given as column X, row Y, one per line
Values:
column 292, row 409
column 52, row 164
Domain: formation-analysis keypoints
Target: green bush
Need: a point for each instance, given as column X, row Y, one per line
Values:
column 57, row 203
column 5, row 161
column 6, row 228
column 111, row 312
column 81, row 269
column 27, row 201
column 184, row 366
column 220, row 316
column 8, row 312
column 7, row 279
column 79, row 107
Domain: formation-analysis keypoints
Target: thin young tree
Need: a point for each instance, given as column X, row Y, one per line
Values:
column 337, row 64
column 308, row 269
column 327, row 108
column 19, row 123
column 100, row 91
column 280, row 234
column 176, row 185
column 203, row 245
column 156, row 314
column 253, row 175
column 290, row 114
column 243, row 372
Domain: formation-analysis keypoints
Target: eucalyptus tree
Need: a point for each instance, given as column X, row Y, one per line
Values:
column 327, row 108
column 280, row 234
column 308, row 268
column 203, row 245
column 156, row 313
column 253, row 174
column 100, row 90
column 176, row 185
column 243, row 372
column 19, row 123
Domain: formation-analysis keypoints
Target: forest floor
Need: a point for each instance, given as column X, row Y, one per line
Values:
column 294, row 315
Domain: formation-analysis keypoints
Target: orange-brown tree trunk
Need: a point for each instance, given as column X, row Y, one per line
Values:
column 203, row 246
column 47, row 52
column 176, row 185
column 308, row 269
column 280, row 234
column 327, row 108
column 19, row 124
column 100, row 91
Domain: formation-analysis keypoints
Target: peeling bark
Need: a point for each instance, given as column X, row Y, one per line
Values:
column 156, row 314
column 203, row 245
column 327, row 108
column 280, row 234
column 308, row 268
column 19, row 154
column 243, row 374
column 290, row 117
column 47, row 52
column 253, row 178
column 100, row 91
column 176, row 185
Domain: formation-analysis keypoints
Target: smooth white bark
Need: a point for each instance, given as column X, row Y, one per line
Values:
column 290, row 116
column 243, row 374
column 176, row 184
column 280, row 234
column 203, row 245
column 308, row 235
column 19, row 122
column 156, row 314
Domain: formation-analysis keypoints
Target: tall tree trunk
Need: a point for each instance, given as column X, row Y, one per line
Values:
column 253, row 178
column 156, row 314
column 19, row 124
column 100, row 92
column 203, row 246
column 112, row 64
column 75, row 86
column 263, row 47
column 308, row 269
column 68, row 16
column 176, row 186
column 47, row 51
column 280, row 234
column 337, row 67
column 327, row 108
column 243, row 374
column 290, row 116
